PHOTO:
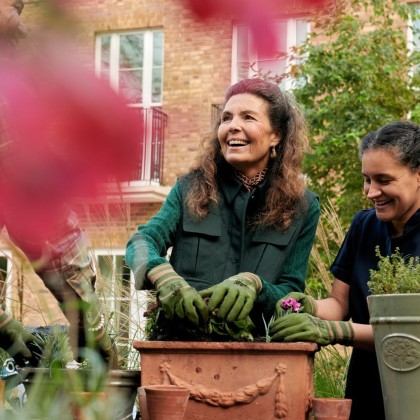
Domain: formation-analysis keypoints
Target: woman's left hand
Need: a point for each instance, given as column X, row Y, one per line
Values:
column 234, row 297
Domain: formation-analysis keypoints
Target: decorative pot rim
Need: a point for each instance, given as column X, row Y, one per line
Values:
column 390, row 295
column 205, row 346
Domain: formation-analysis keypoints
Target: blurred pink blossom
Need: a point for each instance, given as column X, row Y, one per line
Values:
column 63, row 135
column 258, row 14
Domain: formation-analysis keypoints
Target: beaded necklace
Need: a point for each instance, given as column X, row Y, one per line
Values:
column 250, row 183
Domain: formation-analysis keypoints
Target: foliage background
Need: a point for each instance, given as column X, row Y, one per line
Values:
column 356, row 75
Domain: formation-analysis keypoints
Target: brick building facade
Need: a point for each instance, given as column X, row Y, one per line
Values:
column 195, row 63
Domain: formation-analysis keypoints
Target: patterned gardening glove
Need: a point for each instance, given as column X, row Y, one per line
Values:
column 14, row 339
column 176, row 296
column 308, row 303
column 234, row 297
column 107, row 349
column 305, row 327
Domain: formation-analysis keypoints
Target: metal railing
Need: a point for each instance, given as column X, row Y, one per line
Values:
column 216, row 110
column 151, row 145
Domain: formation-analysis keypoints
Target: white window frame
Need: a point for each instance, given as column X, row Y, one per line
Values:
column 146, row 103
column 137, row 300
column 115, row 59
column 286, row 84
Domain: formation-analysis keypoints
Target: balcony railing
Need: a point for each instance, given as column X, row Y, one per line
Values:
column 216, row 110
column 151, row 145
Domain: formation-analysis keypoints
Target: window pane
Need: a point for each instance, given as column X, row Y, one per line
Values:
column 272, row 67
column 302, row 28
column 281, row 32
column 105, row 271
column 131, row 51
column 243, row 70
column 130, row 85
column 105, row 52
column 243, row 47
column 157, row 48
column 157, row 85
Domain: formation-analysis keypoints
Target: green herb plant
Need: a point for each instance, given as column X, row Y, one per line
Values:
column 216, row 329
column 396, row 273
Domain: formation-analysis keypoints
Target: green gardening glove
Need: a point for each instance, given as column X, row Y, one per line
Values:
column 307, row 303
column 107, row 350
column 234, row 297
column 305, row 327
column 14, row 339
column 176, row 296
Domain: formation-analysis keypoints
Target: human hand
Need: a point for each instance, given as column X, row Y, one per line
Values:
column 305, row 327
column 176, row 296
column 308, row 303
column 14, row 339
column 234, row 297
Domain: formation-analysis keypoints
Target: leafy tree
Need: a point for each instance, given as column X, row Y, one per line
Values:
column 358, row 76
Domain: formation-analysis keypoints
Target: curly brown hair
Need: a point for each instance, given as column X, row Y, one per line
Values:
column 286, row 183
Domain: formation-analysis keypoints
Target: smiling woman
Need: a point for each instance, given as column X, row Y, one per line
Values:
column 245, row 134
column 391, row 170
column 241, row 222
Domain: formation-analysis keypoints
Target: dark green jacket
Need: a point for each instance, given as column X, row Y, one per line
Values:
column 209, row 251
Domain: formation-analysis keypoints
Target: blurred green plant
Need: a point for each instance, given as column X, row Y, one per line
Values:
column 331, row 362
column 330, row 371
column 54, row 349
column 330, row 235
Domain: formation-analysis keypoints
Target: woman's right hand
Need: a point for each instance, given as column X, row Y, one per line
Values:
column 176, row 297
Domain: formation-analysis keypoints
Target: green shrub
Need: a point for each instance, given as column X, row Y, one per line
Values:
column 396, row 273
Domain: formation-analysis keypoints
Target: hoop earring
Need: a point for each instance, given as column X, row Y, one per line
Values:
column 273, row 153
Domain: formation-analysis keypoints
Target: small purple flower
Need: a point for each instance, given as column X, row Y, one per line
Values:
column 295, row 306
column 291, row 303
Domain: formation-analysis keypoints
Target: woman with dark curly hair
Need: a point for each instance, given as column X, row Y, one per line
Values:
column 241, row 222
column 391, row 171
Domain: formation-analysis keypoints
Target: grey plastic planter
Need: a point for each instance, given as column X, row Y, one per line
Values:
column 395, row 320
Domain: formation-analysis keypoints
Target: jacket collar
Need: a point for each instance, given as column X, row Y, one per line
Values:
column 231, row 185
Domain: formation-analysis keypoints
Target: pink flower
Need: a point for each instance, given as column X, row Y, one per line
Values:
column 290, row 305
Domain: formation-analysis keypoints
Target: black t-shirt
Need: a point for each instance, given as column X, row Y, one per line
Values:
column 352, row 264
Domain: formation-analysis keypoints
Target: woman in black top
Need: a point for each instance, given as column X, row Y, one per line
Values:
column 391, row 171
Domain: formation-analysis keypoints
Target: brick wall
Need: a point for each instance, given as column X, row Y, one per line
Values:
column 197, row 59
column 197, row 71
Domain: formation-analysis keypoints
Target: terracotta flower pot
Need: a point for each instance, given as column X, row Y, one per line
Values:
column 142, row 403
column 331, row 408
column 2, row 387
column 234, row 380
column 167, row 402
column 82, row 400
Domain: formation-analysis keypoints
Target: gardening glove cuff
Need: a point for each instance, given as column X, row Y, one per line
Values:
column 305, row 327
column 14, row 339
column 107, row 349
column 307, row 303
column 234, row 297
column 176, row 296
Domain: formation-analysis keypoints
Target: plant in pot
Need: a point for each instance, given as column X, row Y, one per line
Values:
column 227, row 370
column 395, row 318
column 59, row 383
